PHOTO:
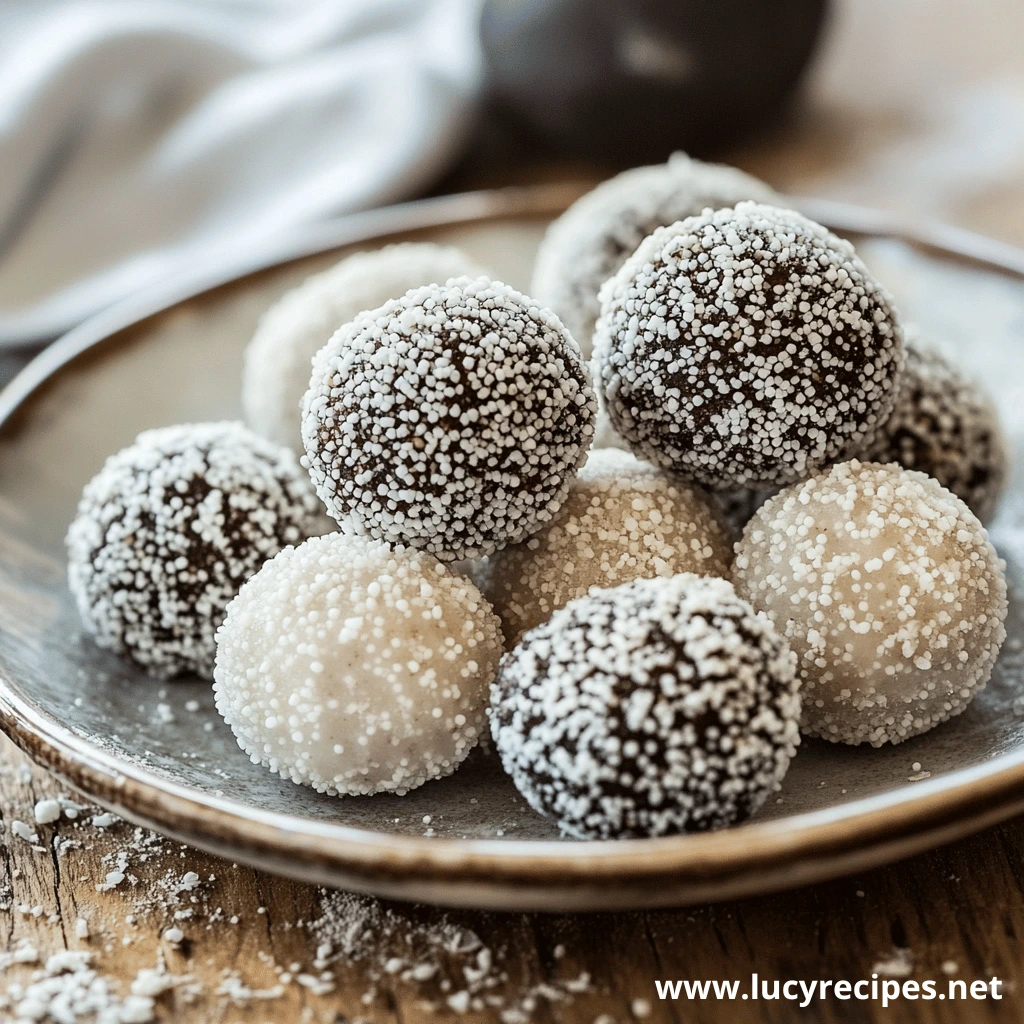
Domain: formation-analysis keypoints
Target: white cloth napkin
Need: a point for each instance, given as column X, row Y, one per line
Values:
column 142, row 137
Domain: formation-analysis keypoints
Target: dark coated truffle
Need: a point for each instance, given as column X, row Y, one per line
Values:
column 746, row 347
column 662, row 706
column 588, row 243
column 945, row 425
column 169, row 530
column 452, row 420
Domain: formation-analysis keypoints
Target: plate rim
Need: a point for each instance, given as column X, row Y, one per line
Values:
column 757, row 856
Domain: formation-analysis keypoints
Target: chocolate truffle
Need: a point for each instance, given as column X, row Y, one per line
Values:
column 276, row 370
column 888, row 590
column 945, row 425
column 623, row 520
column 452, row 419
column 661, row 706
column 746, row 348
column 171, row 527
column 588, row 243
column 354, row 668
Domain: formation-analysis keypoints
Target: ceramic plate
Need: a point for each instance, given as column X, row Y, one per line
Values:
column 132, row 744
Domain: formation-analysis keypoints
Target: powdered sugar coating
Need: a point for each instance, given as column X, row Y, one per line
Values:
column 746, row 348
column 588, row 243
column 171, row 527
column 661, row 706
column 356, row 668
column 275, row 374
column 887, row 588
column 623, row 520
column 452, row 419
column 945, row 425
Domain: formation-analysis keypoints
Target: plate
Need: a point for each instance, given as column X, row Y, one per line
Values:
column 158, row 754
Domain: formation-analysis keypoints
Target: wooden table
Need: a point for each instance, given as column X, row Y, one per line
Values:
column 914, row 106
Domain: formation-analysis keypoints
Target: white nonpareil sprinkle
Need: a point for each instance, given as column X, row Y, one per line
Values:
column 452, row 419
column 899, row 965
column 660, row 706
column 171, row 527
column 67, row 989
column 189, row 881
column 945, row 425
column 588, row 243
column 354, row 667
column 746, row 347
column 887, row 588
column 275, row 374
column 47, row 811
column 623, row 519
column 452, row 970
column 23, row 831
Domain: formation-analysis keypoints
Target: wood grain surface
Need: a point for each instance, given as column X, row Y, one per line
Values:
column 915, row 106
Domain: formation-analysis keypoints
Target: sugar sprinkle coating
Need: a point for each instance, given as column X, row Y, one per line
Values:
column 356, row 668
column 171, row 527
column 661, row 706
column 275, row 373
column 945, row 425
column 588, row 243
column 452, row 419
column 746, row 348
column 623, row 520
column 887, row 588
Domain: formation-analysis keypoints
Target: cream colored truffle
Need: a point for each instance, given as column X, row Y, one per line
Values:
column 623, row 520
column 888, row 590
column 354, row 667
column 278, row 360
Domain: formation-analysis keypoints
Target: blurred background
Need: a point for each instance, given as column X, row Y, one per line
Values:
column 140, row 139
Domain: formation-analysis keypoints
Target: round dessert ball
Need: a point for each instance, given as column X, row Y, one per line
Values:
column 623, row 520
column 354, row 667
column 171, row 527
column 747, row 347
column 945, row 425
column 275, row 373
column 887, row 588
column 661, row 706
column 588, row 243
column 452, row 419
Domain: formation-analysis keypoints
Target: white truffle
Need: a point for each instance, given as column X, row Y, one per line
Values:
column 746, row 348
column 171, row 527
column 452, row 419
column 887, row 588
column 588, row 243
column 356, row 668
column 661, row 706
column 944, row 424
column 622, row 520
column 276, row 369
